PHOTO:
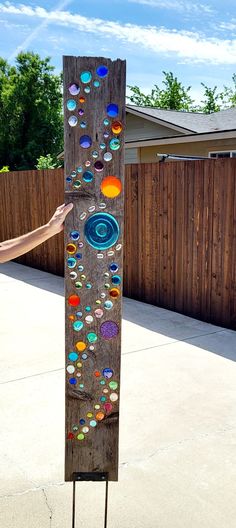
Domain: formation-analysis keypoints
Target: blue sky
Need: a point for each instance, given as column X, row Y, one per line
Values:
column 195, row 40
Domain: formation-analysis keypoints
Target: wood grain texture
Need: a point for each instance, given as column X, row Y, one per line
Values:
column 98, row 451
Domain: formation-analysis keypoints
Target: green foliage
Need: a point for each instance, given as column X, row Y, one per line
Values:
column 31, row 121
column 174, row 96
column 46, row 162
column 4, row 169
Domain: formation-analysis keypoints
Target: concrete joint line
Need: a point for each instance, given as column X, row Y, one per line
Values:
column 48, row 508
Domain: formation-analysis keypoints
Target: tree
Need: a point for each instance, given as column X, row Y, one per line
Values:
column 210, row 103
column 173, row 97
column 31, row 121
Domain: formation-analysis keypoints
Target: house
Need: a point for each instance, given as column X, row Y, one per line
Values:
column 150, row 131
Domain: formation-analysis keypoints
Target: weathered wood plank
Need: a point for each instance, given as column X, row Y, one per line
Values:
column 93, row 316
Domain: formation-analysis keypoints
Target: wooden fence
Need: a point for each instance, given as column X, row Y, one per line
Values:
column 180, row 232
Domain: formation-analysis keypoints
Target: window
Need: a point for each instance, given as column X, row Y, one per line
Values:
column 223, row 154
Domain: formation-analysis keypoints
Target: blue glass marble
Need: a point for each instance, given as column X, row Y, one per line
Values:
column 68, row 179
column 71, row 105
column 71, row 262
column 78, row 325
column 102, row 71
column 101, row 231
column 85, row 142
column 83, row 124
column 82, row 422
column 88, row 176
column 114, row 267
column 74, row 235
column 79, row 256
column 107, row 373
column 79, row 314
column 108, row 305
column 112, row 110
column 114, row 144
column 79, row 169
column 85, row 77
column 73, row 381
column 116, row 279
column 73, row 356
column 96, row 84
column 81, row 268
column 84, row 356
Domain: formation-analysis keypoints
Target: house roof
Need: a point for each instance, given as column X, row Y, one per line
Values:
column 188, row 121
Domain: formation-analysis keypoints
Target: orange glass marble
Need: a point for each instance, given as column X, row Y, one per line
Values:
column 111, row 186
column 81, row 346
column 82, row 99
column 100, row 416
column 114, row 292
column 71, row 249
column 117, row 127
column 74, row 300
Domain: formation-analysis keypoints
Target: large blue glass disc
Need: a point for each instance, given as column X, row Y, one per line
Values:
column 101, row 231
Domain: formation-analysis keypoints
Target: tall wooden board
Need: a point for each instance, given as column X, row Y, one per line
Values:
column 94, row 110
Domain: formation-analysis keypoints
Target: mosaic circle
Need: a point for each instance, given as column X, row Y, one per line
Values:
column 108, row 305
column 107, row 156
column 116, row 279
column 112, row 110
column 114, row 293
column 85, row 77
column 73, row 356
column 81, row 346
column 71, row 249
column 98, row 165
column 74, row 235
column 114, row 267
column 102, row 71
column 108, row 407
column 101, row 230
column 109, row 330
column 113, row 385
column 111, row 186
column 92, row 337
column 113, row 397
column 96, row 84
column 78, row 325
column 71, row 263
column 117, row 127
column 107, row 373
column 74, row 300
column 72, row 121
column 88, row 176
column 85, row 142
column 71, row 105
column 74, row 89
column 114, row 144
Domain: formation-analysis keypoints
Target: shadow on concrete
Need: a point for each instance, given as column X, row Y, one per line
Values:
column 37, row 278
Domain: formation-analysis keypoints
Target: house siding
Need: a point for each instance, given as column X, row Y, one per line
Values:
column 140, row 128
column 200, row 148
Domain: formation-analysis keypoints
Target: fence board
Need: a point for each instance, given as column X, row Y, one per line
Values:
column 180, row 232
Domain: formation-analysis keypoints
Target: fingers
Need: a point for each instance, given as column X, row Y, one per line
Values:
column 66, row 209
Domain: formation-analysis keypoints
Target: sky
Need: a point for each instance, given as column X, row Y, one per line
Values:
column 195, row 40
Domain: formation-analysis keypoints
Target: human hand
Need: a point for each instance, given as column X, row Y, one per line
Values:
column 56, row 223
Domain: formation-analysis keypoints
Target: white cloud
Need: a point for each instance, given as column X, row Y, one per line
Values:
column 176, row 5
column 182, row 45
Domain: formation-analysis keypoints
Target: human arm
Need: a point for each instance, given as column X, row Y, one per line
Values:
column 11, row 249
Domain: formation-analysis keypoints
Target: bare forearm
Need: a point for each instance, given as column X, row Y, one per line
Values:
column 11, row 249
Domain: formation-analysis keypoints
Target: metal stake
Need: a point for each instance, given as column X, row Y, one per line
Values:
column 95, row 477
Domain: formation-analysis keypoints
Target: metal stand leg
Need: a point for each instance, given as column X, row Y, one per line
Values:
column 96, row 477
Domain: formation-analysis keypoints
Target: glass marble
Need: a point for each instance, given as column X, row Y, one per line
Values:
column 88, row 176
column 102, row 146
column 107, row 156
column 111, row 186
column 112, row 110
column 81, row 268
column 86, row 77
column 103, row 399
column 87, row 163
column 70, row 369
column 81, row 112
column 101, row 230
column 116, row 279
column 79, row 314
column 81, row 346
column 85, row 429
column 114, row 267
column 71, row 249
column 108, row 305
column 93, row 423
column 74, row 235
column 106, row 122
column 88, row 286
column 114, row 293
column 78, row 325
column 71, row 105
column 73, row 356
column 89, row 319
column 84, row 356
column 73, row 381
column 83, row 216
column 71, row 263
column 89, row 415
column 107, row 373
column 88, row 309
column 74, row 300
column 108, row 407
column 73, row 121
column 70, row 436
column 102, row 71
column 80, row 244
column 99, row 416
column 75, row 428
column 77, row 184
column 78, row 284
column 82, row 421
column 117, row 127
column 100, row 255
column 97, row 406
column 97, row 374
column 106, row 135
column 114, row 397
column 85, row 142
column 95, row 154
column 79, row 169
column 98, row 165
column 68, row 179
column 74, row 89
column 118, row 247
column 110, row 253
column 83, row 124
column 82, row 99
column 80, row 436
column 73, row 174
column 98, row 313
column 79, row 256
column 92, row 337
column 109, row 330
column 113, row 385
column 87, row 89
column 96, row 84
column 91, row 208
column 114, row 144
column 102, row 206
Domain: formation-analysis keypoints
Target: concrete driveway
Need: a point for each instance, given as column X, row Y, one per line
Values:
column 178, row 416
